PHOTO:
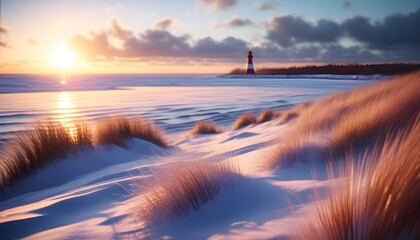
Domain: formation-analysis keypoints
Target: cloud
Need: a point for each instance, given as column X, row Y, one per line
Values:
column 4, row 45
column 237, row 22
column 332, row 52
column 347, row 4
column 118, row 29
column 267, row 6
column 397, row 31
column 396, row 34
column 164, row 23
column 289, row 39
column 4, row 29
column 153, row 43
column 32, row 41
column 289, row 30
column 95, row 46
column 156, row 43
column 220, row 4
column 229, row 47
column 113, row 7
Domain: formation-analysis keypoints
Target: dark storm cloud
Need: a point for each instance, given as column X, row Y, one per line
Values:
column 311, row 52
column 395, row 36
column 397, row 31
column 220, row 4
column 289, row 30
column 238, row 22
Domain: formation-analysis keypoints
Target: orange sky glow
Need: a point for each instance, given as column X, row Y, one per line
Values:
column 89, row 37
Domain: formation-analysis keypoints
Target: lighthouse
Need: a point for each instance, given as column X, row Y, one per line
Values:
column 250, row 66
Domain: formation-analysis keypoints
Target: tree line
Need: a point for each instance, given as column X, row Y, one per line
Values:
column 340, row 69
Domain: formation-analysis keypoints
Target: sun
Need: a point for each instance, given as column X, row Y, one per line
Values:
column 63, row 57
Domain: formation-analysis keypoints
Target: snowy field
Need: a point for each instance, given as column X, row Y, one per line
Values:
column 94, row 192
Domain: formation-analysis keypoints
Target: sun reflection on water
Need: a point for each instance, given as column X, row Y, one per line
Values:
column 64, row 111
column 63, row 80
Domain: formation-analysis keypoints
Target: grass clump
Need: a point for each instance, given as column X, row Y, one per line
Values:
column 117, row 130
column 205, row 127
column 289, row 115
column 244, row 120
column 148, row 131
column 47, row 141
column 53, row 139
column 182, row 188
column 266, row 115
column 352, row 121
column 376, row 198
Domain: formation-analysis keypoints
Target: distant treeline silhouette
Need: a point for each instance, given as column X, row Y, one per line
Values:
column 340, row 69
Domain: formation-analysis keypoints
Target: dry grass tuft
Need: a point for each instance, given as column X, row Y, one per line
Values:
column 266, row 115
column 81, row 133
column 114, row 130
column 53, row 139
column 377, row 199
column 148, row 130
column 47, row 141
column 244, row 120
column 117, row 130
column 182, row 188
column 353, row 121
column 205, row 127
column 289, row 115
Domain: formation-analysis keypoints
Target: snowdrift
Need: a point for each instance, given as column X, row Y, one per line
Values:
column 344, row 166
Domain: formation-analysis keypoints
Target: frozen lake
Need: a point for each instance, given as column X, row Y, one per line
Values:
column 175, row 102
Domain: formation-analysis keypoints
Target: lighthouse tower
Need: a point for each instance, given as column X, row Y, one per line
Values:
column 250, row 66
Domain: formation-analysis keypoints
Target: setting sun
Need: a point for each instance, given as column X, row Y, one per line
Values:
column 63, row 57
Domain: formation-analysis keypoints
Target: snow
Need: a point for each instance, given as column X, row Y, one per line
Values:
column 89, row 194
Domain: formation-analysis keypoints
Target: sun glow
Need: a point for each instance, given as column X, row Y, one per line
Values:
column 63, row 57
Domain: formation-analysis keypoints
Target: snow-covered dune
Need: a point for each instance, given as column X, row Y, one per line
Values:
column 273, row 183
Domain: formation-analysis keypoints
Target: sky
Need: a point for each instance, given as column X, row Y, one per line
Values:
column 202, row 36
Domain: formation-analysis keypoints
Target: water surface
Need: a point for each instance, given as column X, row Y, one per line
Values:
column 174, row 101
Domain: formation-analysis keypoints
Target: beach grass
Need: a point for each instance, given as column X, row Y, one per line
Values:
column 205, row 127
column 244, row 120
column 119, row 129
column 375, row 197
column 44, row 143
column 181, row 188
column 49, row 140
column 266, row 115
column 351, row 121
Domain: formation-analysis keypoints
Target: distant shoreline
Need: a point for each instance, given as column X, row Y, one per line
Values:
column 308, row 76
column 388, row 69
